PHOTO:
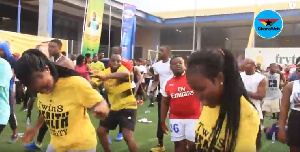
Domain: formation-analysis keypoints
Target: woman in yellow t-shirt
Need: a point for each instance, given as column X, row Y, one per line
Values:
column 63, row 100
column 229, row 121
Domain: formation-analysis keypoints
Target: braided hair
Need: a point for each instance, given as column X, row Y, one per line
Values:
column 214, row 61
column 34, row 60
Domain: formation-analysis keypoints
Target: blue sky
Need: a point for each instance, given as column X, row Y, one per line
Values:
column 173, row 5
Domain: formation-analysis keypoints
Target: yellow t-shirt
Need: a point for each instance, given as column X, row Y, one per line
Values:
column 97, row 66
column 119, row 93
column 248, row 128
column 65, row 112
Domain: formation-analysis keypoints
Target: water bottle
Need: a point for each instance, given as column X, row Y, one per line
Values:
column 273, row 137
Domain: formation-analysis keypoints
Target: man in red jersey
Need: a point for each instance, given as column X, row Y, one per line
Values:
column 184, row 107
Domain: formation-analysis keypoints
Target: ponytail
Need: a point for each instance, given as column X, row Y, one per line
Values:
column 232, row 94
column 214, row 61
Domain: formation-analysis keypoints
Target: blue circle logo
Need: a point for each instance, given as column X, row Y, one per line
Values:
column 268, row 24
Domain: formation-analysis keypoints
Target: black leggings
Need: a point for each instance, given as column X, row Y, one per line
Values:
column 12, row 121
column 42, row 133
column 26, row 98
column 12, row 117
column 19, row 92
column 30, row 107
column 1, row 128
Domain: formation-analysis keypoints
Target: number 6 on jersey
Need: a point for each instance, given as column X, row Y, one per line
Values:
column 174, row 127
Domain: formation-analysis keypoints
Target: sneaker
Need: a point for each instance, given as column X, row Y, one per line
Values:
column 109, row 140
column 28, row 122
column 158, row 148
column 119, row 137
column 151, row 105
column 13, row 139
column 33, row 146
column 23, row 109
column 140, row 102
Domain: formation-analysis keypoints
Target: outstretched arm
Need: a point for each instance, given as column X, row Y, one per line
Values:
column 122, row 75
column 31, row 132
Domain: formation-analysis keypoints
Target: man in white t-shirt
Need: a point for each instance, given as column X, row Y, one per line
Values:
column 255, row 84
column 162, row 73
column 273, row 93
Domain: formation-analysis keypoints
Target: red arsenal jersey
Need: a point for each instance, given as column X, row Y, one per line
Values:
column 183, row 102
column 126, row 63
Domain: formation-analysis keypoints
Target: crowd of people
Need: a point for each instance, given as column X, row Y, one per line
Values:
column 213, row 102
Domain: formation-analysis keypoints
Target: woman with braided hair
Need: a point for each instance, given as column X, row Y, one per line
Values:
column 229, row 121
column 63, row 99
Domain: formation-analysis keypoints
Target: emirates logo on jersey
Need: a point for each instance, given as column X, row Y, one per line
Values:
column 182, row 93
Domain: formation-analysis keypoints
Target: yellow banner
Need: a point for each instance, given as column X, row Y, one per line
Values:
column 93, row 27
column 251, row 41
column 21, row 42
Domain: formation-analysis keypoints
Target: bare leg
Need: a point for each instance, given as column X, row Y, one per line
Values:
column 180, row 146
column 294, row 149
column 264, row 114
column 128, row 137
column 192, row 146
column 103, row 136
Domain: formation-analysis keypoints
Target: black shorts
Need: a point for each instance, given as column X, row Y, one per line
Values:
column 126, row 118
column 293, row 133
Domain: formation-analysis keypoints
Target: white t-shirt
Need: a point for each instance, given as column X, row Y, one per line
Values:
column 295, row 96
column 142, row 69
column 272, row 90
column 148, row 72
column 251, row 83
column 164, row 72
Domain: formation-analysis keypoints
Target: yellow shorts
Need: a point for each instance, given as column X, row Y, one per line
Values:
column 271, row 105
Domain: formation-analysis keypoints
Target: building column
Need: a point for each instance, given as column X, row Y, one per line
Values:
column 45, row 18
column 79, row 37
column 228, row 44
column 198, row 38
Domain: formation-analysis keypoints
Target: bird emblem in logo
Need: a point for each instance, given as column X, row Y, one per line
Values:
column 268, row 22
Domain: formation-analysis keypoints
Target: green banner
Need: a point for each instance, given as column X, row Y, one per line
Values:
column 92, row 27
